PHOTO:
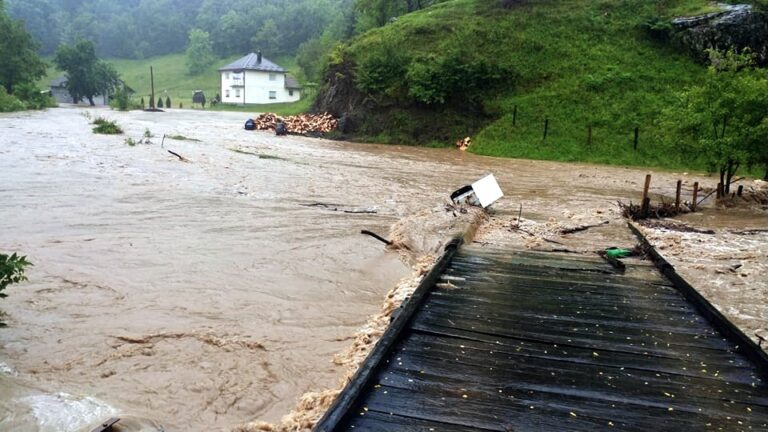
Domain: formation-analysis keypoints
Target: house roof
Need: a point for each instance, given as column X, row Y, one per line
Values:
column 251, row 62
column 291, row 83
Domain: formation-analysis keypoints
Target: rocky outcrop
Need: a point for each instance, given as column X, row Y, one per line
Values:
column 735, row 27
column 341, row 97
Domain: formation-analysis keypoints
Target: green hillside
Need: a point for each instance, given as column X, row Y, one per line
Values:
column 574, row 62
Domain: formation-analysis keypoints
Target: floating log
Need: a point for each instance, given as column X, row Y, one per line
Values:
column 582, row 228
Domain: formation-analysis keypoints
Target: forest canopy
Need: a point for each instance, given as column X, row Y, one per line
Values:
column 146, row 28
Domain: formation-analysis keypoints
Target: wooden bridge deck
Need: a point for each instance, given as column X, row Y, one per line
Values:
column 523, row 341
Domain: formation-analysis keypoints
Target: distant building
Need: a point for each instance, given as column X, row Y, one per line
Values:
column 254, row 79
column 61, row 94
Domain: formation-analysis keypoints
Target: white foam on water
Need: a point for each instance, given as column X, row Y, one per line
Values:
column 63, row 412
column 6, row 369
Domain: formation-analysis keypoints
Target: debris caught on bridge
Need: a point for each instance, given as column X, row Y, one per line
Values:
column 656, row 211
column 299, row 124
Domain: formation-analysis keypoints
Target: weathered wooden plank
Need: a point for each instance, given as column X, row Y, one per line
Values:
column 592, row 380
column 511, row 401
column 590, row 324
column 635, row 344
column 732, row 370
column 564, row 301
column 555, row 278
column 683, row 325
column 373, row 421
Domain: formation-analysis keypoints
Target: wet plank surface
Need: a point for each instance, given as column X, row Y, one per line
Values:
column 525, row 341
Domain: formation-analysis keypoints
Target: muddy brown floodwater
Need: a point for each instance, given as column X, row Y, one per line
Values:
column 202, row 295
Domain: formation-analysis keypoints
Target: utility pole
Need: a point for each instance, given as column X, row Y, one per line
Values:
column 152, row 83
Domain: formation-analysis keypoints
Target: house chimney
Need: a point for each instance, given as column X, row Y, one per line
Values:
column 258, row 57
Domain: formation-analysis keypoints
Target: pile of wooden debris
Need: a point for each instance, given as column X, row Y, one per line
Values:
column 655, row 211
column 299, row 124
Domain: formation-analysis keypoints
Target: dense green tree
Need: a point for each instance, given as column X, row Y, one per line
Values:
column 144, row 28
column 87, row 76
column 19, row 62
column 724, row 119
column 267, row 38
column 376, row 13
column 199, row 52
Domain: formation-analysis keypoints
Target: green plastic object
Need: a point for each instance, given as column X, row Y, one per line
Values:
column 618, row 252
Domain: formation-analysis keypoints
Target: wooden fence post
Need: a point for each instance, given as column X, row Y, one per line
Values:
column 646, row 203
column 695, row 196
column 677, row 196
column 546, row 128
column 637, row 135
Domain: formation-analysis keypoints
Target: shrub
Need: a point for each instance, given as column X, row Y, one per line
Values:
column 130, row 141
column 142, row 103
column 121, row 101
column 32, row 97
column 160, row 102
column 168, row 102
column 106, row 127
column 9, row 103
column 11, row 271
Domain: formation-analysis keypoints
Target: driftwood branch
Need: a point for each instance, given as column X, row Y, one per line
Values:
column 337, row 207
column 582, row 228
column 750, row 232
column 377, row 237
column 181, row 158
column 674, row 226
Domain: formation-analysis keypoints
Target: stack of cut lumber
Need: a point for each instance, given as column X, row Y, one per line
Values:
column 299, row 124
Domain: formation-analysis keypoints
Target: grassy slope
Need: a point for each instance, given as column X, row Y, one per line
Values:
column 172, row 79
column 580, row 62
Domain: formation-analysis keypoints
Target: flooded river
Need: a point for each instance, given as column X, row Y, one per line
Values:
column 204, row 294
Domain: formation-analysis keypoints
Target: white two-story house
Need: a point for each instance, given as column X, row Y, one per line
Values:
column 255, row 80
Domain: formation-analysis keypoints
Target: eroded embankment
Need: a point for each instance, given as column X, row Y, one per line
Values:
column 419, row 239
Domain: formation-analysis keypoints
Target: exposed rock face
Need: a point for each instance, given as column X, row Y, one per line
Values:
column 340, row 96
column 737, row 27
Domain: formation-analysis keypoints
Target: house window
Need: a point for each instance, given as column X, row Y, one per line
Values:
column 227, row 75
column 273, row 95
column 237, row 93
column 226, row 94
column 290, row 92
column 273, row 77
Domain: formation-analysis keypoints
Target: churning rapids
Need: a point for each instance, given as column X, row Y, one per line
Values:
column 204, row 294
